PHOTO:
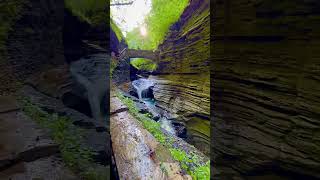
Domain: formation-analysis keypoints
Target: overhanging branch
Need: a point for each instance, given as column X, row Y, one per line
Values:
column 121, row 4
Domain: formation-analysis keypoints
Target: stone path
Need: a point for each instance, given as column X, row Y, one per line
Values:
column 137, row 153
column 26, row 150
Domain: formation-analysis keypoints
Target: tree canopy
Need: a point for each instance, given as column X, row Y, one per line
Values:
column 92, row 11
column 163, row 14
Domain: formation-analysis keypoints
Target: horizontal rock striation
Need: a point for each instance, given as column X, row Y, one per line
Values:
column 266, row 90
column 29, row 46
column 182, row 80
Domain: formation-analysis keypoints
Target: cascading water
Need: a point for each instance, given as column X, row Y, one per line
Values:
column 143, row 88
column 167, row 125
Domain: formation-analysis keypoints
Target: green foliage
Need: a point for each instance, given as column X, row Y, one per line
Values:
column 64, row 133
column 199, row 172
column 143, row 64
column 163, row 14
column 116, row 30
column 94, row 174
column 91, row 11
column 188, row 160
column 149, row 124
column 202, row 172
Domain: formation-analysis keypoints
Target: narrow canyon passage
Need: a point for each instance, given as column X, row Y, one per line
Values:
column 160, row 102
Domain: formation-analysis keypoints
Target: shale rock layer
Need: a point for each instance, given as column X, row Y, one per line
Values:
column 266, row 89
column 182, row 80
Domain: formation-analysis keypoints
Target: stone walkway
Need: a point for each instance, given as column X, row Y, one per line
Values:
column 26, row 150
column 137, row 153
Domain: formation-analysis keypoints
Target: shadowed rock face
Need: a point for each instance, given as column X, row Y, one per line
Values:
column 266, row 86
column 30, row 43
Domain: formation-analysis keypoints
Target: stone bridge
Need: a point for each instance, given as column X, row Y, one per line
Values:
column 134, row 53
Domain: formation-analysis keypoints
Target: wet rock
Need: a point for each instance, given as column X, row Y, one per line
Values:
column 180, row 129
column 8, row 103
column 27, row 151
column 49, row 168
column 92, row 138
column 84, row 124
column 102, row 158
column 142, row 154
column 101, row 129
column 53, row 82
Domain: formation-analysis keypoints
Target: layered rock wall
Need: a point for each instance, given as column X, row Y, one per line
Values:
column 266, row 85
column 183, row 74
column 30, row 43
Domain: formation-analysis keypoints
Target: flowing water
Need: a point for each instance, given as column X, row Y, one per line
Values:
column 143, row 87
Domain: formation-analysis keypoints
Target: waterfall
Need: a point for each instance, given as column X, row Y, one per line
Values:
column 142, row 86
column 167, row 125
column 90, row 73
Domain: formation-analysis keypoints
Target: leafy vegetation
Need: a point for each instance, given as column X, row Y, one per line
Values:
column 188, row 161
column 64, row 133
column 116, row 30
column 91, row 11
column 163, row 14
column 200, row 172
column 143, row 64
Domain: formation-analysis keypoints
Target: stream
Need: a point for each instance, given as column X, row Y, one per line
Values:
column 144, row 90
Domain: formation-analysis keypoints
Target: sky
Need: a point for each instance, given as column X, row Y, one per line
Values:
column 131, row 16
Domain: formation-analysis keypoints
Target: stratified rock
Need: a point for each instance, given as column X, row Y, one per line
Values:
column 53, row 82
column 95, row 136
column 266, row 89
column 34, row 42
column 27, row 151
column 182, row 80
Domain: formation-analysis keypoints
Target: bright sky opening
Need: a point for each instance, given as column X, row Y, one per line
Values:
column 128, row 17
column 143, row 30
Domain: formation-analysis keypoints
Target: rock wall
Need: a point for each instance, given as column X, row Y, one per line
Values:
column 30, row 41
column 183, row 78
column 266, row 84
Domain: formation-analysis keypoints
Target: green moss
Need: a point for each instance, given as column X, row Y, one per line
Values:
column 199, row 172
column 143, row 64
column 64, row 133
column 116, row 30
column 199, row 125
column 162, row 15
column 188, row 161
column 91, row 11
